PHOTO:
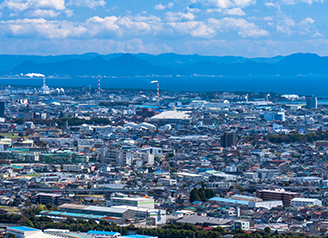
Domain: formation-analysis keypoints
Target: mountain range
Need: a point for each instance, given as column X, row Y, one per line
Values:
column 91, row 64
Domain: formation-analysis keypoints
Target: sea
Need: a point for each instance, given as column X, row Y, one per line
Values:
column 300, row 85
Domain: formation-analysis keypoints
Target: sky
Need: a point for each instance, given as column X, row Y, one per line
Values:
column 249, row 28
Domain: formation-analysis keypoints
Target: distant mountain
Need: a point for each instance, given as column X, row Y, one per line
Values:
column 165, row 64
column 124, row 65
column 174, row 61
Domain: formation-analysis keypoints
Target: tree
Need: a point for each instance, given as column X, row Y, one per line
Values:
column 10, row 235
column 267, row 230
column 194, row 195
column 28, row 223
column 202, row 194
column 51, row 207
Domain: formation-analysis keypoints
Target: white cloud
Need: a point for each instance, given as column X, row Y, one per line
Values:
column 306, row 26
column 41, row 28
column 192, row 28
column 234, row 11
column 307, row 21
column 42, row 13
column 207, row 4
column 163, row 7
column 284, row 25
column 243, row 27
column 310, row 2
column 278, row 3
column 179, row 16
column 22, row 5
column 316, row 34
column 174, row 25
column 92, row 4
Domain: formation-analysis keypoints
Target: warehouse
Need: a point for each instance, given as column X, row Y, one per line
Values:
column 170, row 117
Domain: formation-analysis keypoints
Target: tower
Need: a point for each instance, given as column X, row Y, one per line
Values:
column 157, row 88
column 98, row 84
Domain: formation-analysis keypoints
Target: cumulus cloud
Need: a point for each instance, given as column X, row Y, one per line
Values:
column 243, row 27
column 163, row 7
column 234, row 11
column 22, row 5
column 278, row 3
column 173, row 25
column 206, row 4
column 42, row 28
column 92, row 4
column 42, row 13
column 179, row 16
column 284, row 25
column 310, row 2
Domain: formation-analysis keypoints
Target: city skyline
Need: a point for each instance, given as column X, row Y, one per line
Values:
column 247, row 28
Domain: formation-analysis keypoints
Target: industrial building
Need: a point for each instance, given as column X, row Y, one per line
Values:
column 117, row 215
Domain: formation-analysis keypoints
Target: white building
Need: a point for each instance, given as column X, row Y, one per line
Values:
column 157, row 216
column 171, row 117
column 133, row 202
column 23, row 231
column 266, row 204
column 189, row 177
column 302, row 202
column 240, row 224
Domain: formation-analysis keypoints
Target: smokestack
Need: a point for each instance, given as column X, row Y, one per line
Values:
column 99, row 85
column 89, row 88
column 157, row 88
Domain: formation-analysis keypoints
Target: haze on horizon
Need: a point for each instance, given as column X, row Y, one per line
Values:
column 246, row 28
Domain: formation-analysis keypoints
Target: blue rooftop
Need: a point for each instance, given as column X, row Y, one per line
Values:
column 227, row 200
column 102, row 232
column 137, row 236
column 23, row 228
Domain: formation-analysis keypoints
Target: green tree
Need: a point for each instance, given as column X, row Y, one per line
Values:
column 194, row 195
column 267, row 230
column 28, row 223
column 51, row 207
column 202, row 194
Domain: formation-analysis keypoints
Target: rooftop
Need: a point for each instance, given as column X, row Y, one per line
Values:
column 22, row 228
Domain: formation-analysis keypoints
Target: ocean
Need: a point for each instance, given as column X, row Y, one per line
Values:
column 301, row 85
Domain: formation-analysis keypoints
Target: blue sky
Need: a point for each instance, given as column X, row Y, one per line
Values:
column 250, row 28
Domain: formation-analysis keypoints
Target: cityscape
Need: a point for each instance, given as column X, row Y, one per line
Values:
column 163, row 119
column 99, row 162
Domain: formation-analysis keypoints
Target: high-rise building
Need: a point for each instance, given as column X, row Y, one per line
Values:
column 311, row 102
column 229, row 139
column 2, row 108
